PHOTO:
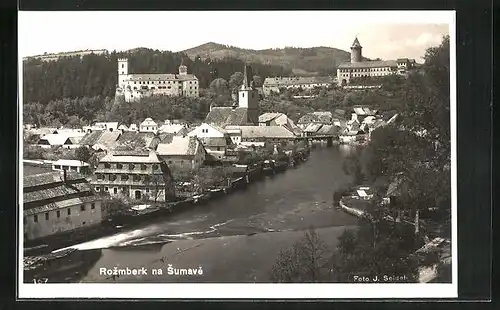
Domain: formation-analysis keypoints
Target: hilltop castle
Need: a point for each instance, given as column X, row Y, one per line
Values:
column 136, row 86
column 360, row 68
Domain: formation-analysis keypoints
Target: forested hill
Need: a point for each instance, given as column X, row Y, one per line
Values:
column 96, row 75
column 302, row 61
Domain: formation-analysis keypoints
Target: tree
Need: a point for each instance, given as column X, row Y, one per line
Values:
column 359, row 255
column 235, row 81
column 352, row 166
column 83, row 153
column 219, row 86
column 305, row 261
column 257, row 81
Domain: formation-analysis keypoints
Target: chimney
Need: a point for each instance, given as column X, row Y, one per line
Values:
column 64, row 176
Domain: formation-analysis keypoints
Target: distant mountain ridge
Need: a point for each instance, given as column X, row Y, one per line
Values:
column 308, row 61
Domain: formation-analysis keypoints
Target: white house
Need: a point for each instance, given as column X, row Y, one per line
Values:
column 214, row 138
column 111, row 126
column 133, row 127
column 208, row 131
column 148, row 126
column 67, row 140
column 70, row 165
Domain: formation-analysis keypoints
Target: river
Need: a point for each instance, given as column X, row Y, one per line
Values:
column 237, row 237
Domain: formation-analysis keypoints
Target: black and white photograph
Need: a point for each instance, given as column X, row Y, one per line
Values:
column 242, row 154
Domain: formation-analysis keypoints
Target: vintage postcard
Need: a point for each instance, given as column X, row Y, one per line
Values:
column 309, row 156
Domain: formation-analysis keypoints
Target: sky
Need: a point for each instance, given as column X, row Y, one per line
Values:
column 383, row 34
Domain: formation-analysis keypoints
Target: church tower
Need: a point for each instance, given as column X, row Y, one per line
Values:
column 122, row 71
column 356, row 55
column 248, row 97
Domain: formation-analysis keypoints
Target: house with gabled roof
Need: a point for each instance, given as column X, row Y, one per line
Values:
column 101, row 140
column 258, row 135
column 215, row 139
column 147, row 140
column 318, row 117
column 279, row 119
column 56, row 202
column 182, row 153
column 67, row 140
column 148, row 125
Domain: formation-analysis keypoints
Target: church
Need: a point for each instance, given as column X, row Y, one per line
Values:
column 358, row 67
column 136, row 86
column 244, row 112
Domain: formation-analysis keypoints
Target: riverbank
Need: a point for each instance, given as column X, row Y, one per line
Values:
column 127, row 218
column 295, row 200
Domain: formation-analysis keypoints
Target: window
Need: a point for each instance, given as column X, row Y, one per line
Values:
column 119, row 166
column 243, row 95
column 97, row 189
column 47, row 216
column 107, row 165
column 112, row 177
column 155, row 167
column 143, row 167
column 123, row 66
column 92, row 206
column 69, row 211
column 218, row 148
column 58, row 214
column 115, row 190
column 57, row 166
column 124, row 177
column 106, row 188
column 35, row 218
column 137, row 178
column 82, row 208
column 147, row 189
column 123, row 189
column 170, row 162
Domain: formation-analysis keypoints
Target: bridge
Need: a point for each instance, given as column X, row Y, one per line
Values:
column 328, row 138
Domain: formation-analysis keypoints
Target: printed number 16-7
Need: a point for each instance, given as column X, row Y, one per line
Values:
column 42, row 280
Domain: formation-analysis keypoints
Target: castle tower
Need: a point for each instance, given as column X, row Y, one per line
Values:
column 248, row 97
column 356, row 48
column 122, row 71
column 182, row 68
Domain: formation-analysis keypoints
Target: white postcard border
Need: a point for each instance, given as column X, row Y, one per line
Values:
column 267, row 291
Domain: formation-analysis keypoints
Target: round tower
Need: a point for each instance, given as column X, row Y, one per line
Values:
column 356, row 55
